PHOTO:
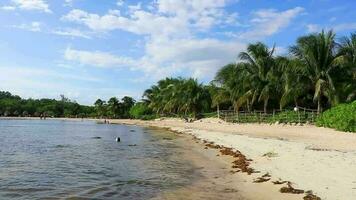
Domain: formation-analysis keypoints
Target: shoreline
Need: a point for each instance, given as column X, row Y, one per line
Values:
column 314, row 159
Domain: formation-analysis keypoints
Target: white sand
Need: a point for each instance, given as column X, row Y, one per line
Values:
column 312, row 158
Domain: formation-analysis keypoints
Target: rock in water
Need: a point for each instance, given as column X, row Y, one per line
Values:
column 118, row 139
column 97, row 138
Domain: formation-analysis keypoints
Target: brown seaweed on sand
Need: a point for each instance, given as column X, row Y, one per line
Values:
column 261, row 180
column 279, row 182
column 290, row 189
column 311, row 196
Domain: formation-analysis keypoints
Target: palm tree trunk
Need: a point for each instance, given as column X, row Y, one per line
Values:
column 319, row 105
column 218, row 111
column 265, row 105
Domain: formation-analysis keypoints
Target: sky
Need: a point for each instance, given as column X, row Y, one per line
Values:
column 90, row 49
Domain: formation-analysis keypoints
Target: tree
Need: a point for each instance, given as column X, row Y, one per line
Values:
column 114, row 107
column 219, row 95
column 260, row 74
column 100, row 107
column 347, row 79
column 294, row 83
column 126, row 105
column 318, row 54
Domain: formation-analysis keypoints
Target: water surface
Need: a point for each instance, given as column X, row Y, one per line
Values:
column 53, row 159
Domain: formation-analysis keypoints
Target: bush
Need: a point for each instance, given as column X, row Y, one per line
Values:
column 341, row 117
column 141, row 111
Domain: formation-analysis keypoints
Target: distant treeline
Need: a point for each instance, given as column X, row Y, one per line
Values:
column 15, row 106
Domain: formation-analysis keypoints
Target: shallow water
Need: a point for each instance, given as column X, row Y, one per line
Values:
column 50, row 159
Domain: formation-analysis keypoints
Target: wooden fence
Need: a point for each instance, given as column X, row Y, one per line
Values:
column 300, row 115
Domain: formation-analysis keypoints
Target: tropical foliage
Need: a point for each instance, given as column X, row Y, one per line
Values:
column 178, row 96
column 341, row 117
column 114, row 108
column 12, row 105
column 319, row 72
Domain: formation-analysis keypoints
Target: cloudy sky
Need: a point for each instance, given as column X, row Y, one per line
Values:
column 86, row 49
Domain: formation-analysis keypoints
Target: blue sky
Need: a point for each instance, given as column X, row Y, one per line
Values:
column 88, row 49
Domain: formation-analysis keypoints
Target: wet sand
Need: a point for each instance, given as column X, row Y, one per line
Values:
column 215, row 179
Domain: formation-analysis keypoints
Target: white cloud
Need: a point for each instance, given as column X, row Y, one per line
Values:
column 8, row 8
column 268, row 22
column 312, row 28
column 71, row 33
column 120, row 2
column 344, row 27
column 178, row 17
column 96, row 58
column 172, row 46
column 336, row 27
column 40, row 5
column 33, row 26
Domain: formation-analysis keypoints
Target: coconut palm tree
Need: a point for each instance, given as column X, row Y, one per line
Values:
column 193, row 97
column 219, row 95
column 294, row 83
column 260, row 73
column 232, row 77
column 113, row 107
column 100, row 107
column 318, row 54
column 348, row 77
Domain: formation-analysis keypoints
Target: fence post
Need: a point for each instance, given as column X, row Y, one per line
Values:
column 299, row 116
column 273, row 114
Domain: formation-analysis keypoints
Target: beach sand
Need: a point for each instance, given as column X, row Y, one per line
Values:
column 313, row 159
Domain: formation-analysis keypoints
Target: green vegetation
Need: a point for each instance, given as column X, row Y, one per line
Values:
column 141, row 111
column 15, row 106
column 318, row 73
column 12, row 105
column 341, row 117
column 178, row 96
column 114, row 108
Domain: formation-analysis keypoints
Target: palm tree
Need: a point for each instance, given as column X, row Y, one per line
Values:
column 260, row 71
column 294, row 83
column 114, row 106
column 219, row 95
column 318, row 54
column 348, row 77
column 100, row 107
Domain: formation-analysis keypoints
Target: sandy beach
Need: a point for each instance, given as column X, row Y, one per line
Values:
column 313, row 159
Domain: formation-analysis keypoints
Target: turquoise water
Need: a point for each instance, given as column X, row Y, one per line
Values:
column 50, row 159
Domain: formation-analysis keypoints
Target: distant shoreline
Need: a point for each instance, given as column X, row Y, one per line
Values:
column 304, row 155
column 49, row 118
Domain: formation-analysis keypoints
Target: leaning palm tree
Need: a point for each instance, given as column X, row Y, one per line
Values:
column 318, row 53
column 260, row 75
